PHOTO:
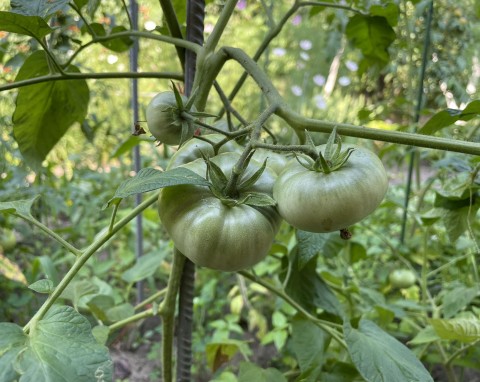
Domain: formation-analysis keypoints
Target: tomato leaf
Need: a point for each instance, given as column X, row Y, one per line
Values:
column 149, row 179
column 22, row 207
column 457, row 299
column 457, row 329
column 380, row 357
column 127, row 145
column 308, row 343
column 310, row 290
column 120, row 44
column 60, row 347
column 42, row 286
column 250, row 372
column 44, row 112
column 42, row 8
column 372, row 35
column 33, row 26
column 448, row 117
column 310, row 244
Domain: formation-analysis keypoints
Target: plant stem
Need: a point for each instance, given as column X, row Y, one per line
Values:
column 82, row 259
column 136, row 317
column 167, row 311
column 173, row 27
column 151, row 299
column 322, row 324
column 88, row 76
column 50, row 233
column 220, row 26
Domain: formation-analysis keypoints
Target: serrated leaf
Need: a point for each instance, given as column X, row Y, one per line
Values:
column 380, row 357
column 44, row 112
column 18, row 206
column 389, row 10
column 59, row 348
column 42, row 8
column 457, row 329
column 33, row 26
column 309, row 245
column 42, row 286
column 149, row 179
column 448, row 117
column 11, row 270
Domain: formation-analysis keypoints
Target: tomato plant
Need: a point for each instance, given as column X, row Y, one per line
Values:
column 317, row 201
column 220, row 234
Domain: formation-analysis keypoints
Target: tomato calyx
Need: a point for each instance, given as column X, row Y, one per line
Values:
column 332, row 159
column 236, row 194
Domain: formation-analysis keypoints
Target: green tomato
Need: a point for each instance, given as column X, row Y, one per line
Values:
column 194, row 148
column 8, row 241
column 217, row 235
column 318, row 202
column 164, row 120
column 402, row 278
column 275, row 161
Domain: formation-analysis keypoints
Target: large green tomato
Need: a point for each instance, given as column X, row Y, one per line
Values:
column 194, row 148
column 318, row 202
column 212, row 233
column 402, row 278
column 163, row 119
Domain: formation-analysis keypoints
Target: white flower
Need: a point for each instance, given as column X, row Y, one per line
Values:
column 305, row 56
column 279, row 52
column 296, row 90
column 319, row 80
column 344, row 81
column 320, row 102
column 306, row 44
column 351, row 65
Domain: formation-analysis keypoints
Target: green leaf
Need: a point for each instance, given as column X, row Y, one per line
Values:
column 372, row 35
column 120, row 312
column 120, row 44
column 457, row 299
column 309, row 245
column 308, row 343
column 32, row 26
column 258, row 199
column 448, row 117
column 145, row 267
column 22, row 206
column 99, row 305
column 379, row 357
column 92, row 7
column 42, row 8
column 11, row 270
column 307, row 288
column 425, row 336
column 149, row 179
column 101, row 333
column 42, row 286
column 44, row 112
column 219, row 353
column 250, row 372
column 390, row 11
column 457, row 329
column 126, row 146
column 59, row 348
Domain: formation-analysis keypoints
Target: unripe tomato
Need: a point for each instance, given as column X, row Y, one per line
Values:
column 194, row 148
column 319, row 202
column 275, row 161
column 402, row 278
column 8, row 241
column 215, row 234
column 164, row 120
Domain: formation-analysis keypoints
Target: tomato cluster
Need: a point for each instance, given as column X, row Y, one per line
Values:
column 227, row 233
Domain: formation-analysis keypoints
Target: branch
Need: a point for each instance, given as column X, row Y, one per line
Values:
column 88, row 76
